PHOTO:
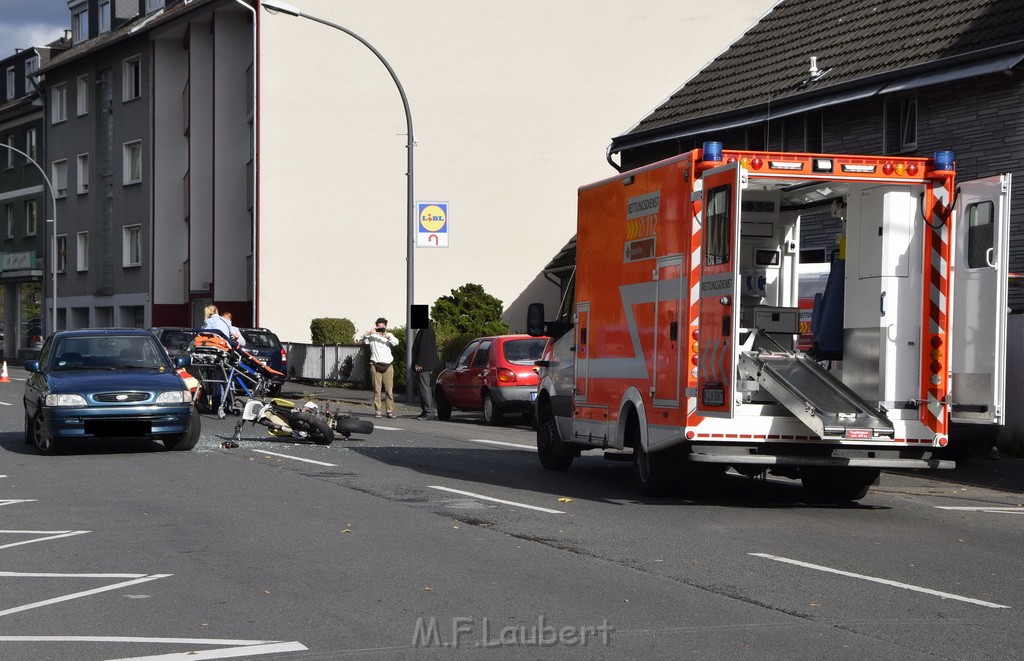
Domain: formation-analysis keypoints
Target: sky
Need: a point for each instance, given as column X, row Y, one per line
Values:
column 25, row 23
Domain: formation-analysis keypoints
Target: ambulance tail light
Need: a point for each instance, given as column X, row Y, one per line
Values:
column 936, row 364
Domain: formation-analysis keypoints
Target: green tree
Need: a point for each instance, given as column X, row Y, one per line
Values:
column 469, row 312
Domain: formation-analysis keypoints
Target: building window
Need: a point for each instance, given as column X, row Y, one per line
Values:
column 82, row 172
column 59, row 103
column 82, row 253
column 10, row 152
column 132, row 162
column 153, row 5
column 31, row 64
column 82, row 96
column 186, row 195
column 31, row 217
column 131, row 244
column 131, row 79
column 9, row 214
column 10, row 83
column 30, row 144
column 104, row 25
column 62, row 253
column 900, row 123
column 59, row 177
column 80, row 26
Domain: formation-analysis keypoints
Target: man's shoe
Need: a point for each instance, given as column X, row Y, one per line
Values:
column 378, row 415
column 423, row 416
column 391, row 414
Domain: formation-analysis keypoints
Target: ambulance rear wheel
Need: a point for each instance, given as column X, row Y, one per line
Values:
column 838, row 485
column 548, row 447
column 651, row 472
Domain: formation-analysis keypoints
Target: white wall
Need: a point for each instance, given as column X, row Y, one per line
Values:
column 232, row 230
column 170, row 160
column 200, row 147
column 513, row 105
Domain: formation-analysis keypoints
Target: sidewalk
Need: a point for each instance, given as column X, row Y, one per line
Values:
column 1004, row 474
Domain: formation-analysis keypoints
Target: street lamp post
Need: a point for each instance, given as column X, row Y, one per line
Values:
column 276, row 5
column 53, row 238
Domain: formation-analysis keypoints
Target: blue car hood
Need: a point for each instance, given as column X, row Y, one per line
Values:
column 92, row 381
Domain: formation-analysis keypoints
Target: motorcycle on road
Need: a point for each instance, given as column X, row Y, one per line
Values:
column 285, row 418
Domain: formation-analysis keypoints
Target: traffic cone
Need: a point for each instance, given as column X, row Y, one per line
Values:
column 3, row 374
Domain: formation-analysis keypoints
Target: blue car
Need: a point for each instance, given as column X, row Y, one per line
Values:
column 107, row 383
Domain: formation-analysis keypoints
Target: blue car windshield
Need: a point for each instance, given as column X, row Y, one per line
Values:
column 108, row 352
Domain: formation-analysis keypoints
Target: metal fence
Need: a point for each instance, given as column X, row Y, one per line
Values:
column 340, row 363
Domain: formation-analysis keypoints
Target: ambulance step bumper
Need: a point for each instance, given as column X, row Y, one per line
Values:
column 783, row 460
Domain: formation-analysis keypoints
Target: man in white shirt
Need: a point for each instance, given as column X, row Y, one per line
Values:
column 381, row 365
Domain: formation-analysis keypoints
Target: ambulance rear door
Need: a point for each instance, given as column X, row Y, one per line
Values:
column 980, row 283
column 718, row 324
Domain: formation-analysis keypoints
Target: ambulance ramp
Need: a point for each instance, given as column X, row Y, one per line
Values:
column 819, row 400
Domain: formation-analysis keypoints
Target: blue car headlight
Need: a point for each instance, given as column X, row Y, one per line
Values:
column 65, row 399
column 175, row 397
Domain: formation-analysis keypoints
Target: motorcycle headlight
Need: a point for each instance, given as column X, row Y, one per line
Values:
column 65, row 399
column 174, row 397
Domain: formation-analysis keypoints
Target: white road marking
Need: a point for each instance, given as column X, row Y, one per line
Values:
column 288, row 456
column 223, row 653
column 498, row 500
column 52, row 534
column 242, row 647
column 519, row 446
column 883, row 581
column 994, row 510
column 6, row 404
column 12, row 501
column 388, row 428
column 86, row 593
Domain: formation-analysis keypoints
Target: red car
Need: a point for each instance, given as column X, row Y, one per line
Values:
column 494, row 375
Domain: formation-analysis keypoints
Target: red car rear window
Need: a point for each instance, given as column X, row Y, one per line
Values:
column 524, row 352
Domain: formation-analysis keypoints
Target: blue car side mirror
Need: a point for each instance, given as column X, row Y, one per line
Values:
column 32, row 366
column 182, row 361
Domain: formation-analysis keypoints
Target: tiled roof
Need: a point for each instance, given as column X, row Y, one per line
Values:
column 855, row 42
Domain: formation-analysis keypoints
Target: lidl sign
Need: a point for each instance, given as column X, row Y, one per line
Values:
column 432, row 224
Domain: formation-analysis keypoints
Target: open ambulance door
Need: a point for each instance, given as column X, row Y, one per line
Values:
column 980, row 283
column 718, row 323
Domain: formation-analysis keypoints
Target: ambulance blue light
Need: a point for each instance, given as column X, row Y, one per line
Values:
column 712, row 151
column 944, row 160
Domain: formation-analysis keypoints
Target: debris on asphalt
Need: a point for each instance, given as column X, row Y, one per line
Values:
column 229, row 444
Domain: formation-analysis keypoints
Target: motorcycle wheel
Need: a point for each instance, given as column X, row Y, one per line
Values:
column 315, row 428
column 348, row 426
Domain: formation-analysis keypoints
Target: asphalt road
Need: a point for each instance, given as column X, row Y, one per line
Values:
column 446, row 540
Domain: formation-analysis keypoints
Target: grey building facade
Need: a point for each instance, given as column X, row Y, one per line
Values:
column 25, row 201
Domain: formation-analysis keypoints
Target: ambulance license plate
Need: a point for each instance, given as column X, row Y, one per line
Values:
column 713, row 396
